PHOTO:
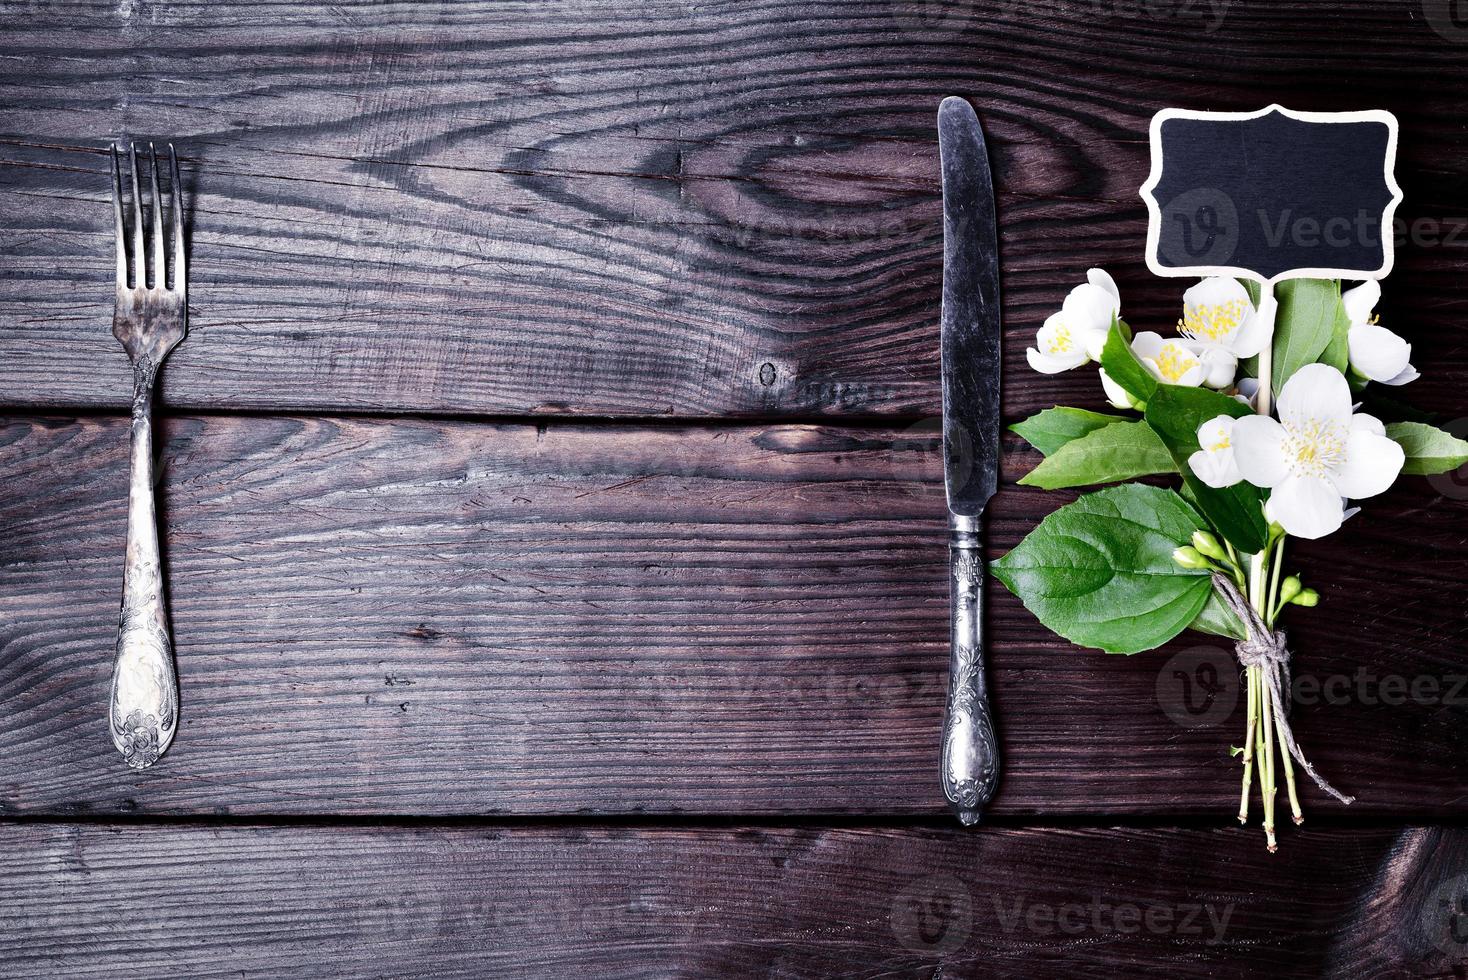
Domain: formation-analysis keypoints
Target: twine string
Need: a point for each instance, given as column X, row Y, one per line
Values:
column 1268, row 650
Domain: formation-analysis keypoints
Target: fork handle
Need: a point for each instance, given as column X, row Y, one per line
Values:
column 143, row 714
column 970, row 755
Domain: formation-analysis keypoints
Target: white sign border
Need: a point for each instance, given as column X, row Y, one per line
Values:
column 1388, row 215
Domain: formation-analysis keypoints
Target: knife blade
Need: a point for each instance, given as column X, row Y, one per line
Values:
column 970, row 355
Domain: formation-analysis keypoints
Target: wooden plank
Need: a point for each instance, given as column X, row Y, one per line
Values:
column 103, row 901
column 429, row 617
column 591, row 208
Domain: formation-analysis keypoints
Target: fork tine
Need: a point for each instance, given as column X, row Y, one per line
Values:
column 160, row 268
column 180, row 277
column 117, row 210
column 140, row 272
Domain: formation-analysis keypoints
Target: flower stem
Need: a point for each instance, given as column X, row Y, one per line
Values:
column 1266, row 766
column 1289, row 768
column 1259, row 733
column 1264, row 740
column 1267, row 309
column 1273, row 606
column 1252, row 679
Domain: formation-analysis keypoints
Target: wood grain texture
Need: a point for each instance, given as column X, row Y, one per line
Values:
column 721, row 209
column 684, row 211
column 433, row 617
column 96, row 901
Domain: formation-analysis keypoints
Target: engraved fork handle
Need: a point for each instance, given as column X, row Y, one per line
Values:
column 970, row 760
column 144, row 707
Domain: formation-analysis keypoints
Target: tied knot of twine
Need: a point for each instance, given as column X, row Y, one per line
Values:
column 1263, row 647
column 1268, row 650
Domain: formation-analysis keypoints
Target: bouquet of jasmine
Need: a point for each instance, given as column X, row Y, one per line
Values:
column 1254, row 405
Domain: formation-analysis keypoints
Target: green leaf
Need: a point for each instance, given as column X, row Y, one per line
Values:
column 1119, row 451
column 1122, row 366
column 1337, row 353
column 1304, row 325
column 1429, row 449
column 1047, row 431
column 1251, row 287
column 1237, row 512
column 1218, row 619
column 1100, row 573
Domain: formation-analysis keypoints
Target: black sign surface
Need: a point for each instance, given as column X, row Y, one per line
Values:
column 1272, row 195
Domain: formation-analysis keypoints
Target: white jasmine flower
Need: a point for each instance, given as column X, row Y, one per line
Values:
column 1058, row 347
column 1170, row 361
column 1213, row 463
column 1222, row 327
column 1218, row 311
column 1077, row 333
column 1376, row 353
column 1116, row 395
column 1316, row 453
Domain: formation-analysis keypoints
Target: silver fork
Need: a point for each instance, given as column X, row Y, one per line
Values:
column 150, row 321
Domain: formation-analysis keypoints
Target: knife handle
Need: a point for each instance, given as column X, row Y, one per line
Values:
column 970, row 761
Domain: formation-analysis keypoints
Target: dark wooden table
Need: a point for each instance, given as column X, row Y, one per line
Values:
column 554, row 523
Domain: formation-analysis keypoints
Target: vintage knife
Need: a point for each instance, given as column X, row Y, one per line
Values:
column 970, row 329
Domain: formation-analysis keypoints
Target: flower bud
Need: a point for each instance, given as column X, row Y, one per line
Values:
column 1290, row 588
column 1307, row 597
column 1116, row 395
column 1189, row 558
column 1208, row 545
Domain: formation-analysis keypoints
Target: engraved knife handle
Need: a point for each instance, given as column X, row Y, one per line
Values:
column 143, row 713
column 970, row 761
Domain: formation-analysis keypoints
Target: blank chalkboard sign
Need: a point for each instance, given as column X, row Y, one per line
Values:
column 1272, row 195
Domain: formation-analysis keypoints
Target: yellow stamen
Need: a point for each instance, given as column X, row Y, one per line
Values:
column 1061, row 341
column 1313, row 447
column 1174, row 361
column 1212, row 323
